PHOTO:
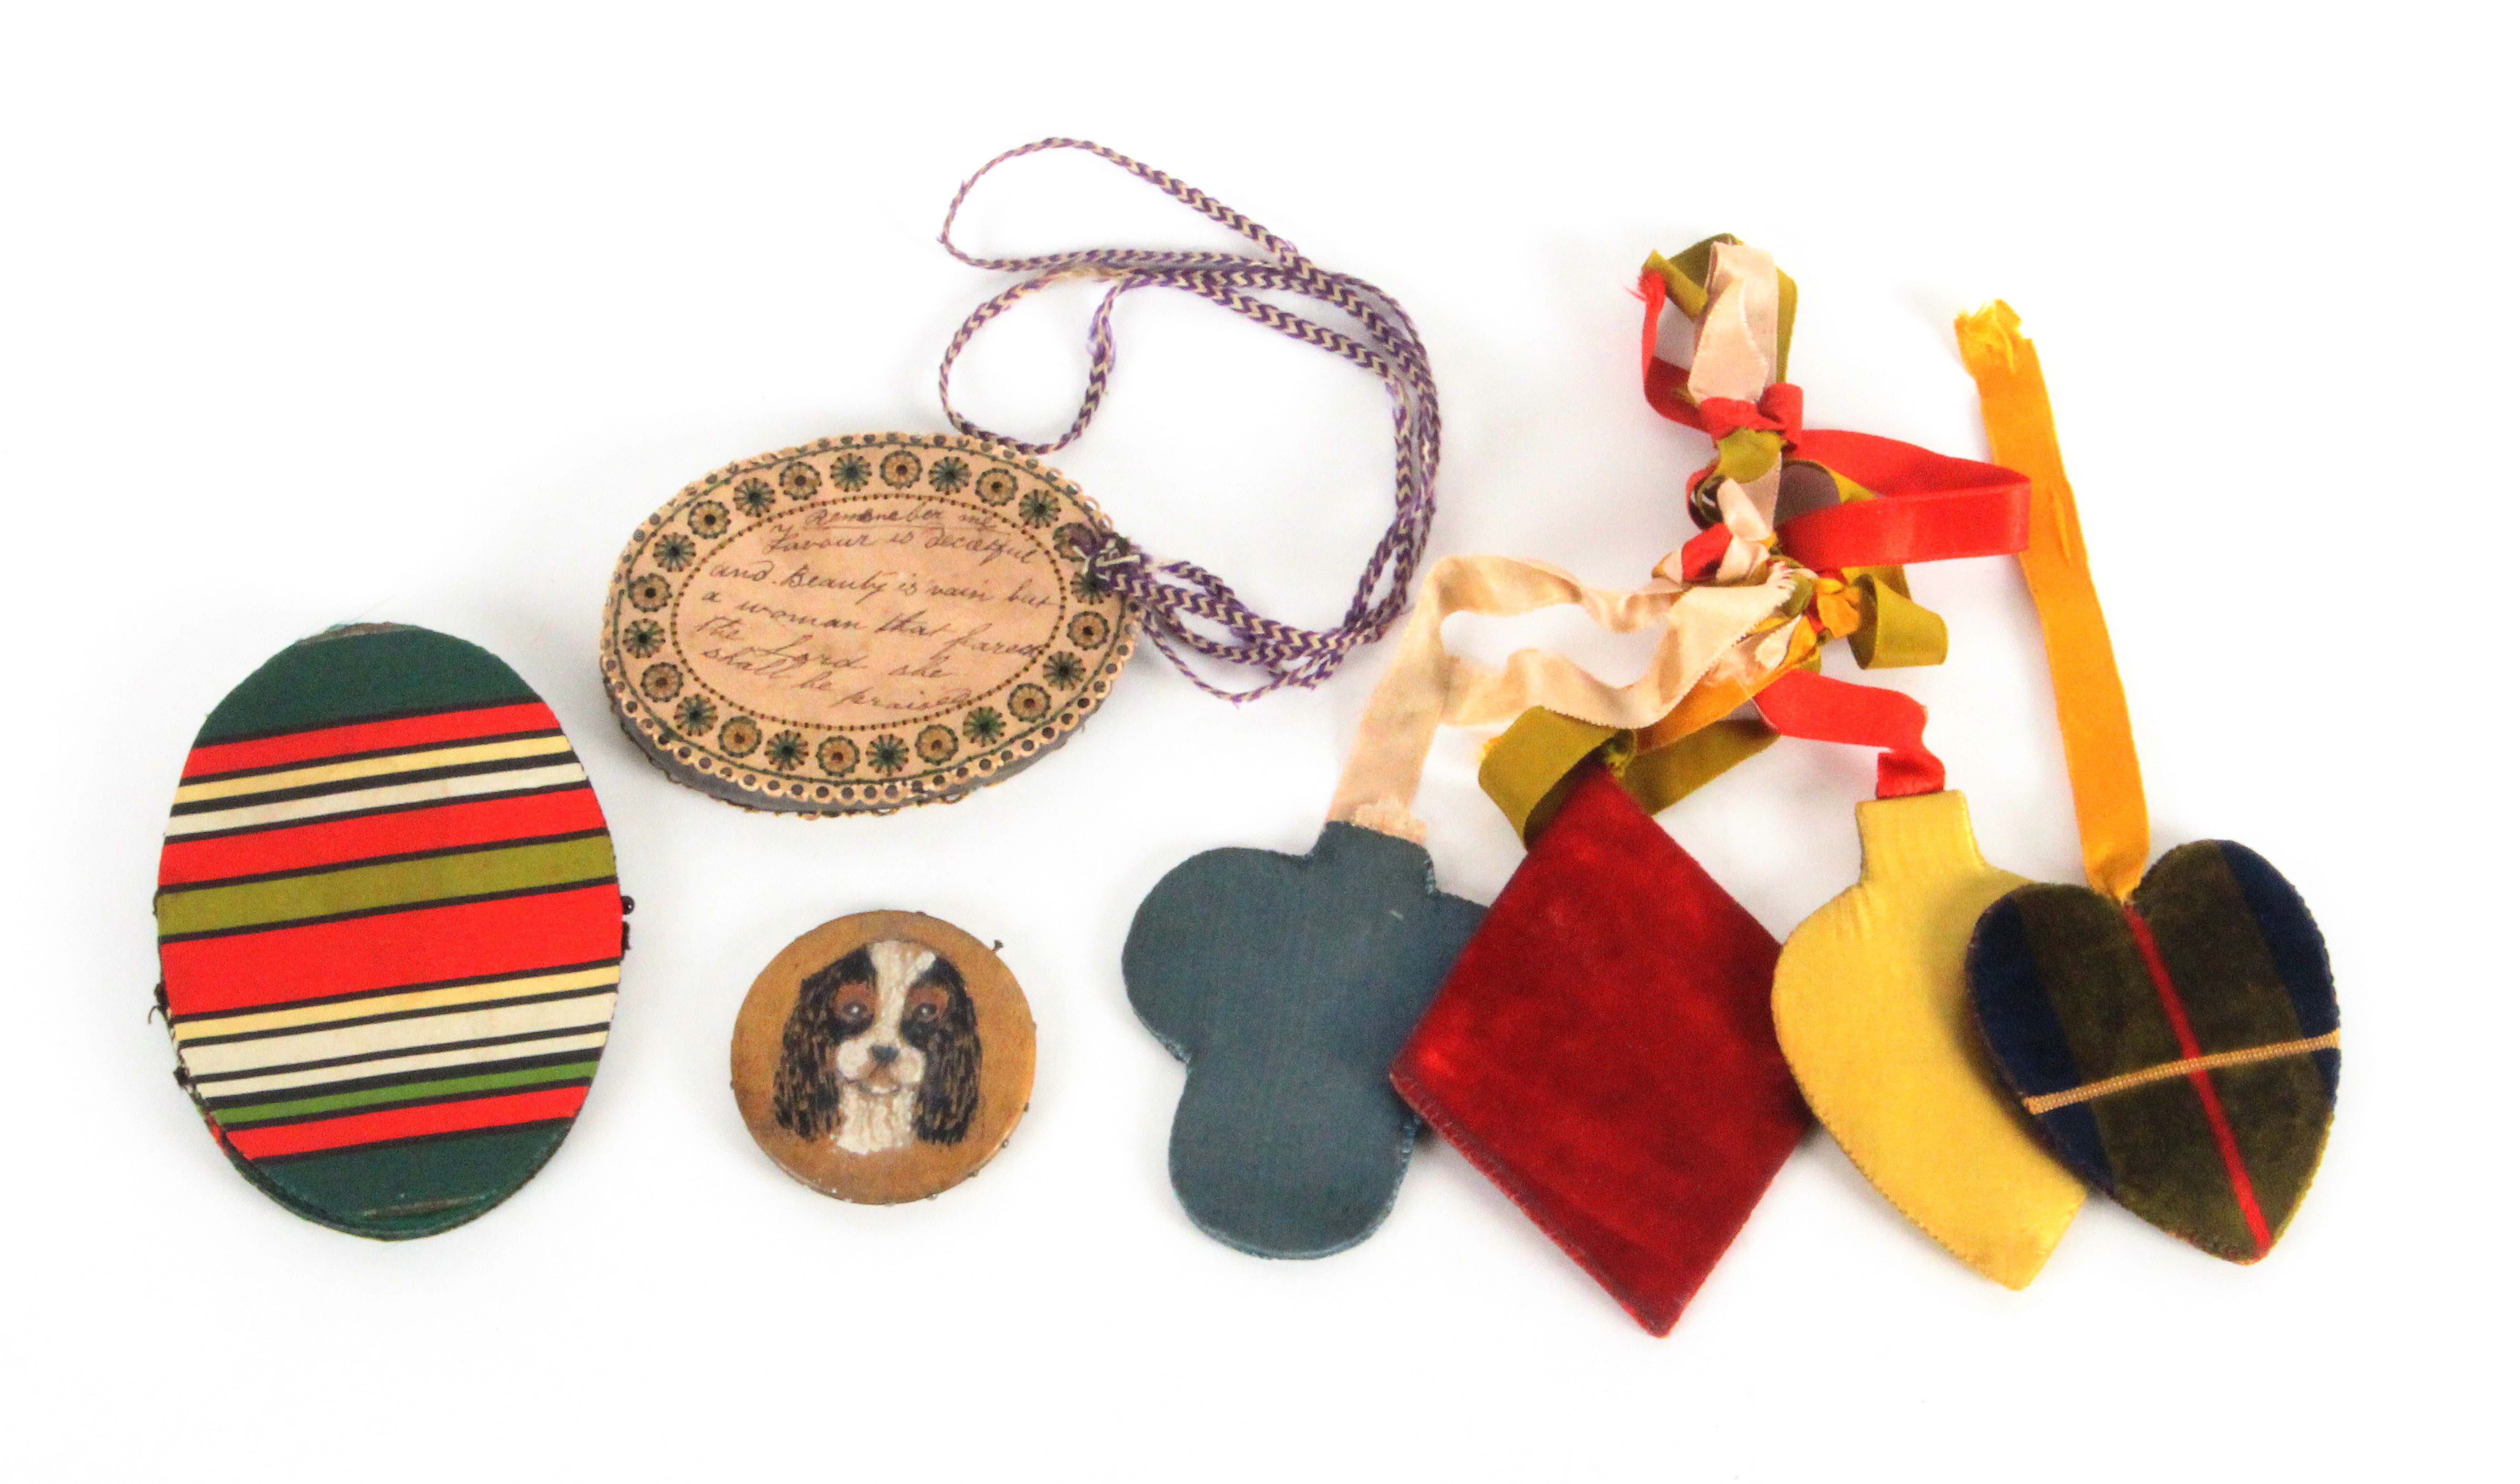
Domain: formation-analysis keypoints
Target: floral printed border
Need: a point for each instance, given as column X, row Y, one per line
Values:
column 789, row 767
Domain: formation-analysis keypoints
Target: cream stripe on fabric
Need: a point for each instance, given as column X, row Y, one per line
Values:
column 395, row 1005
column 285, row 811
column 2185, row 1066
column 1427, row 687
column 399, row 1035
column 373, row 767
column 360, row 1071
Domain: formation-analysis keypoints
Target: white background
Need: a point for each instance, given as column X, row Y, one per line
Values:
column 329, row 313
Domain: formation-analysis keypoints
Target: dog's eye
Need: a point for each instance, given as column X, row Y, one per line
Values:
column 923, row 1012
column 855, row 1014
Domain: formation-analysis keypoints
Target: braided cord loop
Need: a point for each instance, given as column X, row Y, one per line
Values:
column 1171, row 594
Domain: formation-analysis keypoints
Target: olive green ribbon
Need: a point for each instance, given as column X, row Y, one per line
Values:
column 1529, row 770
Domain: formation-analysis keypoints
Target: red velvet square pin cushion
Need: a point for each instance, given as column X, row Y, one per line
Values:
column 1604, row 1052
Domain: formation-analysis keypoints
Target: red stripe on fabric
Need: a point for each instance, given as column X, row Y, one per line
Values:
column 335, row 842
column 253, row 970
column 408, row 1123
column 369, row 736
column 2224, row 1139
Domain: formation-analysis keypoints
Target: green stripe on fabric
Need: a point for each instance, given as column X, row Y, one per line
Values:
column 2236, row 998
column 401, row 884
column 2096, row 981
column 361, row 671
column 2215, row 951
column 450, row 1087
column 401, row 1190
column 2169, row 1167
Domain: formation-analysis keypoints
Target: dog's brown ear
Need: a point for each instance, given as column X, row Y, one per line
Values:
column 949, row 1096
column 806, row 1096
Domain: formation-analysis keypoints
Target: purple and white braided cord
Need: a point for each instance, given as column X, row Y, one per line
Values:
column 1168, row 593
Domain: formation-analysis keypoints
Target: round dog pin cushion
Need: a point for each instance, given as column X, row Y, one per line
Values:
column 883, row 1058
column 869, row 622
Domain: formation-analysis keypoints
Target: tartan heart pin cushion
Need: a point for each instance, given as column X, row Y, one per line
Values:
column 2172, row 1031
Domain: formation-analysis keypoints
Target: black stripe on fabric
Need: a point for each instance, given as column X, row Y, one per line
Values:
column 466, row 1008
column 477, row 848
column 547, row 1033
column 390, row 1079
column 389, row 1143
column 328, row 759
column 372, row 781
column 360, row 814
column 396, row 910
column 406, row 713
column 399, row 989
column 404, row 1102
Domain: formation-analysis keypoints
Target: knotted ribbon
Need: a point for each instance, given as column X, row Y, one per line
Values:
column 1840, row 567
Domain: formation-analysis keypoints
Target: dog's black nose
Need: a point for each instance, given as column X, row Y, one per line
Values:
column 884, row 1055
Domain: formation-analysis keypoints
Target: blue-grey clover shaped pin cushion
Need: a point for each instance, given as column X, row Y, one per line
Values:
column 1288, row 983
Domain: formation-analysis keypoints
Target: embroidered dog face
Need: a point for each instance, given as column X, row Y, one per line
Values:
column 882, row 1057
column 881, row 1049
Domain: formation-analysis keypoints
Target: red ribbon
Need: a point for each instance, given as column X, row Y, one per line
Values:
column 1779, row 409
column 1932, row 507
column 1820, row 708
column 1703, row 554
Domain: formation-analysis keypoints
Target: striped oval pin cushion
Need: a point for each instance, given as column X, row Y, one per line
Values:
column 389, row 930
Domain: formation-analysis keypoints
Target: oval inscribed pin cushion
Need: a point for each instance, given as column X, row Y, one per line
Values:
column 883, row 1058
column 863, row 625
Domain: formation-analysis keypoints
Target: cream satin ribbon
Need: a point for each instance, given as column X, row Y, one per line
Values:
column 1709, row 631
column 1736, row 358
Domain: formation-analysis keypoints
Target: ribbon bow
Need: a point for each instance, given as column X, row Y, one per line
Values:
column 1779, row 409
column 1896, row 502
column 1844, row 561
column 1836, row 570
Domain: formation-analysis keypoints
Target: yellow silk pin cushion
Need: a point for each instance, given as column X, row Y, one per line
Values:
column 1873, row 1010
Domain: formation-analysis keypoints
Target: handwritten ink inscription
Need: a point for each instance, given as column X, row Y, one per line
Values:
column 881, row 610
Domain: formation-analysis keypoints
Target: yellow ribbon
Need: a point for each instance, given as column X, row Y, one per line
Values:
column 2091, row 701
